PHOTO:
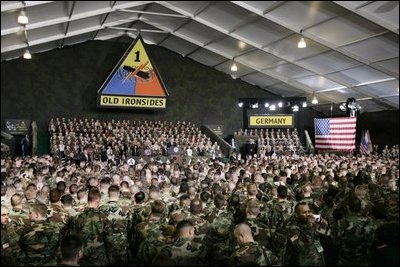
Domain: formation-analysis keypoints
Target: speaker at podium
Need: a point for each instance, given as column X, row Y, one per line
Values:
column 173, row 150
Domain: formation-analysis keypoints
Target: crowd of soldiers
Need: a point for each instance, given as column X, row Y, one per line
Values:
column 118, row 140
column 270, row 210
column 274, row 141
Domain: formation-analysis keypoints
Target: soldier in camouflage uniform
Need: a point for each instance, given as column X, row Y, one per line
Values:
column 56, row 212
column 91, row 226
column 184, row 250
column 249, row 251
column 179, row 212
column 303, row 246
column 71, row 251
column 156, row 251
column 39, row 241
column 259, row 230
column 219, row 241
column 117, row 232
column 355, row 235
column 18, row 216
column 150, row 229
column 196, row 217
column 274, row 216
column 9, row 240
column 138, row 213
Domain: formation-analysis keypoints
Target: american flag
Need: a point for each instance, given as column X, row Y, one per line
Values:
column 364, row 145
column 335, row 134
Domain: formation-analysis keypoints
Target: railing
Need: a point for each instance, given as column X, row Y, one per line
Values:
column 7, row 144
column 226, row 148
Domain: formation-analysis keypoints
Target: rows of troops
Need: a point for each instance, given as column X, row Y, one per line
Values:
column 312, row 210
column 124, row 138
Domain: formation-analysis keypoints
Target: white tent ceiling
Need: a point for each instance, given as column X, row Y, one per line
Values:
column 352, row 46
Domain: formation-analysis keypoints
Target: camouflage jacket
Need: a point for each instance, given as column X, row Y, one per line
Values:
column 91, row 226
column 39, row 242
column 303, row 246
column 250, row 253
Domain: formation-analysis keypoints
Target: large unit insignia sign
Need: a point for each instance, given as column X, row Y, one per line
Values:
column 134, row 82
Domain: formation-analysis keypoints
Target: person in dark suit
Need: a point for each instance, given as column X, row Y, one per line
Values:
column 85, row 156
column 25, row 146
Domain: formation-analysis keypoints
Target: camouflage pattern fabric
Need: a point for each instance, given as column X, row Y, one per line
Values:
column 303, row 247
column 249, row 254
column 91, row 226
column 39, row 242
column 185, row 252
column 116, row 240
column 219, row 240
column 10, row 250
column 355, row 235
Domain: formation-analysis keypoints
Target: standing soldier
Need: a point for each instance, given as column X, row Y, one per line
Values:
column 9, row 240
column 249, row 251
column 117, row 234
column 201, row 225
column 39, row 241
column 277, row 212
column 303, row 246
column 219, row 241
column 91, row 226
column 185, row 251
column 355, row 236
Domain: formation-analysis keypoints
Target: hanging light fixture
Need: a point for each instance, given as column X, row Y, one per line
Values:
column 234, row 67
column 27, row 54
column 22, row 18
column 302, row 42
column 314, row 100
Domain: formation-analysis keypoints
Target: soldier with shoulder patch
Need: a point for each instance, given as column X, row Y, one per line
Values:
column 9, row 240
column 303, row 247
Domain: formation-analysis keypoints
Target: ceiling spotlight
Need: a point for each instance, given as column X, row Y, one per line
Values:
column 295, row 108
column 302, row 42
column 266, row 104
column 314, row 100
column 272, row 107
column 240, row 104
column 234, row 76
column 304, row 104
column 22, row 18
column 280, row 104
column 27, row 54
column 234, row 67
column 254, row 105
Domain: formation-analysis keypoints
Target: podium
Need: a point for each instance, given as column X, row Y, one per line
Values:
column 173, row 151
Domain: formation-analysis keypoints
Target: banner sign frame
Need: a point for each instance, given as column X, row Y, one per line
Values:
column 271, row 121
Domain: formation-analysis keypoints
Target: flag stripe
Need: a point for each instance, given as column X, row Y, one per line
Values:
column 339, row 137
column 347, row 142
column 336, row 134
